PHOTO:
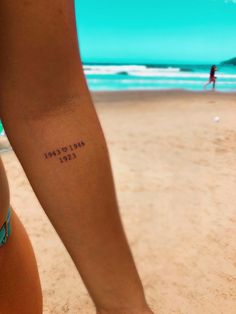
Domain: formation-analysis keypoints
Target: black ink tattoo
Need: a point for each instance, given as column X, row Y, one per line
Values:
column 63, row 154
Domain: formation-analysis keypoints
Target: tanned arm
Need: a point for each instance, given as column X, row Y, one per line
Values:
column 52, row 125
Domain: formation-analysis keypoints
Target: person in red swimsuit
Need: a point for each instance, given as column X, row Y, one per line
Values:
column 212, row 78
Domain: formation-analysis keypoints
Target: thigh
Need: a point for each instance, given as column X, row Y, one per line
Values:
column 20, row 289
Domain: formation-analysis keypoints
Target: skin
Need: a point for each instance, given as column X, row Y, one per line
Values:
column 47, row 110
column 17, row 261
column 4, row 194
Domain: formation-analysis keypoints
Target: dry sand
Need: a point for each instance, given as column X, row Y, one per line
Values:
column 175, row 173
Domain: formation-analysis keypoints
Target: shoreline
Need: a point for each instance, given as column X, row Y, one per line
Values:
column 164, row 95
column 163, row 91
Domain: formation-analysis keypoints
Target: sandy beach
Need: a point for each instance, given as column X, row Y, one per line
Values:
column 174, row 167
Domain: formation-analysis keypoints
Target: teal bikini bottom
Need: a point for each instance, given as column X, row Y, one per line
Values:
column 5, row 229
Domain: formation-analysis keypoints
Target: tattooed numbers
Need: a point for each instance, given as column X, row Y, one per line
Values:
column 65, row 153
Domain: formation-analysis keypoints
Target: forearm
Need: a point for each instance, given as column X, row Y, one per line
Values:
column 78, row 197
column 52, row 125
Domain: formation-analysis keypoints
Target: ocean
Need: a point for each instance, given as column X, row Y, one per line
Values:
column 107, row 77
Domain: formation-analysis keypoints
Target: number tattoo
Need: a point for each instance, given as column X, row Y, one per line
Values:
column 65, row 153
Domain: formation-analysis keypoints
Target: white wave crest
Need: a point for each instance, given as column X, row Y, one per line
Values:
column 129, row 69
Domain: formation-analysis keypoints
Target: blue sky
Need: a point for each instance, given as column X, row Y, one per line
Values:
column 153, row 31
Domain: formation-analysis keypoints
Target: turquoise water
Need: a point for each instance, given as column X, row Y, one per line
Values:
column 182, row 31
column 158, row 77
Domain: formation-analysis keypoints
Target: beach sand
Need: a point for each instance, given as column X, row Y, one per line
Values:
column 175, row 174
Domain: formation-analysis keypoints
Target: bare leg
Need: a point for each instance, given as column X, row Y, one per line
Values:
column 214, row 84
column 20, row 290
column 207, row 84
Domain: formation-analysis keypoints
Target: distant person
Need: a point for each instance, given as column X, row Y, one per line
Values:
column 212, row 78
